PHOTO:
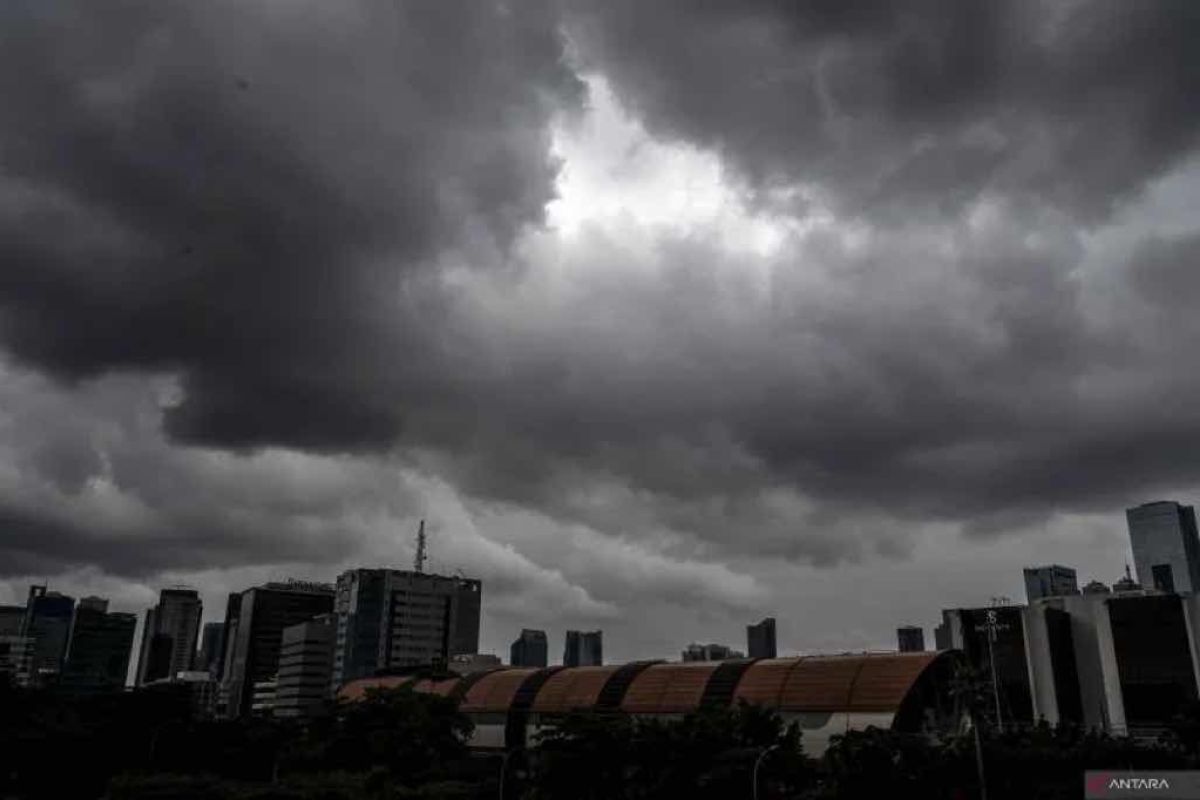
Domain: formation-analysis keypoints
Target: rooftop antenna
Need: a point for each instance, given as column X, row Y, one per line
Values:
column 1128, row 577
column 421, row 557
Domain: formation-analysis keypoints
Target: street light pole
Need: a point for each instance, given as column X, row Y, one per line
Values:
column 979, row 759
column 503, row 767
column 992, row 626
column 757, row 763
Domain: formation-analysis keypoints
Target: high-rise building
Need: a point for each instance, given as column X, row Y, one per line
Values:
column 306, row 667
column 1166, row 549
column 529, row 650
column 99, row 648
column 169, row 635
column 211, row 643
column 47, row 624
column 994, row 637
column 254, row 636
column 393, row 619
column 709, row 652
column 1051, row 580
column 910, row 639
column 583, row 649
column 760, row 639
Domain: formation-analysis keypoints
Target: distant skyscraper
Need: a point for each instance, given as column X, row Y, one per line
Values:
column 709, row 652
column 169, row 635
column 1051, row 580
column 392, row 619
column 255, row 634
column 1166, row 550
column 209, row 658
column 529, row 650
column 910, row 639
column 584, row 649
column 47, row 624
column 99, row 648
column 760, row 639
column 1096, row 587
column 306, row 667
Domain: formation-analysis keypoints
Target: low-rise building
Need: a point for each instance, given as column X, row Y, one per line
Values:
column 709, row 652
column 1123, row 662
column 474, row 662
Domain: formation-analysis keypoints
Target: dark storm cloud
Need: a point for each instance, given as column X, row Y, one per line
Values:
column 273, row 202
column 893, row 107
column 246, row 193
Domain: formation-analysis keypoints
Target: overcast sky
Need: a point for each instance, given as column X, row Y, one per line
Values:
column 666, row 316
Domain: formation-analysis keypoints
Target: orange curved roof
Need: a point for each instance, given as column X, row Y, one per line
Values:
column 668, row 688
column 495, row 690
column 859, row 682
column 868, row 682
column 357, row 690
column 569, row 689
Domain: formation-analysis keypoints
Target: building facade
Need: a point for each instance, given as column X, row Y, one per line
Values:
column 1166, row 550
column 395, row 619
column 910, row 639
column 306, row 667
column 1052, row 580
column 760, row 639
column 254, row 636
column 169, row 635
column 583, row 649
column 530, row 649
column 99, row 648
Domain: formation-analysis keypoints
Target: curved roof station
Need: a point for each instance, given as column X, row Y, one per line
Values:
column 905, row 691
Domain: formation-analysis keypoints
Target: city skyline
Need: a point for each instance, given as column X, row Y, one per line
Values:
column 664, row 316
column 669, row 650
column 387, row 594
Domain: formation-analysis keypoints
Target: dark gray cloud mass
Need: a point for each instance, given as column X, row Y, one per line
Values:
column 326, row 224
column 889, row 107
column 244, row 192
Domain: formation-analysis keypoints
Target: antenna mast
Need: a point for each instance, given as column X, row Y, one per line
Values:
column 421, row 557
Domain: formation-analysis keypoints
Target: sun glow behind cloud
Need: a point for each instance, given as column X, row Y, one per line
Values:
column 614, row 172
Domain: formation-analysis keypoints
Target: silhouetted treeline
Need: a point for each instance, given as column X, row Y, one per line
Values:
column 398, row 744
